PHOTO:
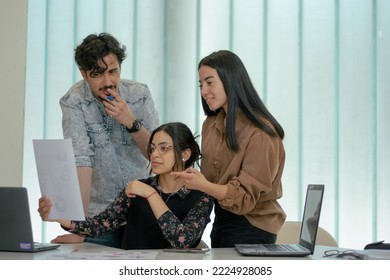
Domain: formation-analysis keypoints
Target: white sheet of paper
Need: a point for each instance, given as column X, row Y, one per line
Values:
column 57, row 175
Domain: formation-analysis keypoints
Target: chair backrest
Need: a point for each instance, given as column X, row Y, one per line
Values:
column 202, row 244
column 289, row 234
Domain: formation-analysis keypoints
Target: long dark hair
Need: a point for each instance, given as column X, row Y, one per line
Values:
column 183, row 139
column 241, row 94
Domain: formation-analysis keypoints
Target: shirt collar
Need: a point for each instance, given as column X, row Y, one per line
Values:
column 182, row 193
column 241, row 120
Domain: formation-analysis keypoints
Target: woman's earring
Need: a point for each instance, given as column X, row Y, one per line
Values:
column 183, row 159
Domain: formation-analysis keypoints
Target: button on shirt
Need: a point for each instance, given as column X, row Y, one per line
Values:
column 100, row 142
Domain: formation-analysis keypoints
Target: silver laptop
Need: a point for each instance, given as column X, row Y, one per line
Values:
column 16, row 230
column 308, row 234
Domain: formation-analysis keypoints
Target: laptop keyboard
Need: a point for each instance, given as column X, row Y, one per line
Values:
column 279, row 247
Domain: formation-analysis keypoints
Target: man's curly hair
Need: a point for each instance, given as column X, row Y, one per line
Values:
column 94, row 48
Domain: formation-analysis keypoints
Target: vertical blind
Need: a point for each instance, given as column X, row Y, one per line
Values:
column 320, row 66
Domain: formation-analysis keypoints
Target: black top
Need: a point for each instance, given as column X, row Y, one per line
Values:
column 182, row 226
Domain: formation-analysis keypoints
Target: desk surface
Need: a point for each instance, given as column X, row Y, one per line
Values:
column 75, row 250
column 224, row 262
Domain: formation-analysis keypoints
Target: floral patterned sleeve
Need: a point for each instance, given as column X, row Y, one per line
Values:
column 108, row 220
column 184, row 234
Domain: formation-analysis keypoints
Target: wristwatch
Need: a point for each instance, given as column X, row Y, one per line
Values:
column 137, row 124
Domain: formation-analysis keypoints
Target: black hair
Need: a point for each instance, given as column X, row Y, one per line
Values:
column 183, row 139
column 241, row 94
column 94, row 48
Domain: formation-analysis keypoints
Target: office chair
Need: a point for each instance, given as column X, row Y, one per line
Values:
column 202, row 244
column 289, row 233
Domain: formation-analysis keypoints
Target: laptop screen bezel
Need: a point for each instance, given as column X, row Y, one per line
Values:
column 311, row 245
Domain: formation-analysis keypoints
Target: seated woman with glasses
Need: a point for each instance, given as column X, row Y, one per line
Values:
column 159, row 211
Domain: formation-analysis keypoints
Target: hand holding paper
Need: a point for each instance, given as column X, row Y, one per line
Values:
column 58, row 179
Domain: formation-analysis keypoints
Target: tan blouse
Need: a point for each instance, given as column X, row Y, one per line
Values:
column 252, row 174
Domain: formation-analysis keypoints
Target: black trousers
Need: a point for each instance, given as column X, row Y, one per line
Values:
column 229, row 229
column 110, row 239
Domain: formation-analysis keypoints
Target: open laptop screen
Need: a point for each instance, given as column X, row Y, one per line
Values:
column 311, row 215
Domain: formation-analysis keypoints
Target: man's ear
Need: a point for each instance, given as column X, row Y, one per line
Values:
column 83, row 73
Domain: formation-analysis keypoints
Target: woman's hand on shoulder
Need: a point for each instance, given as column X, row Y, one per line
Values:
column 137, row 188
column 192, row 179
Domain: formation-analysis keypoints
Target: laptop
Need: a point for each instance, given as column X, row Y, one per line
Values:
column 16, row 229
column 308, row 233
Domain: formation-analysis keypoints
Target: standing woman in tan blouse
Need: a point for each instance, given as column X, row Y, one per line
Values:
column 243, row 155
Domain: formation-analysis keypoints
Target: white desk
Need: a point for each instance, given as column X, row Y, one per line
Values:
column 213, row 254
column 225, row 262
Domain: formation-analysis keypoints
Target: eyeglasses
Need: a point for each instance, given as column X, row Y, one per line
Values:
column 346, row 254
column 162, row 148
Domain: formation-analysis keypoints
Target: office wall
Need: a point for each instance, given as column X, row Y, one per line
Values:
column 13, row 32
